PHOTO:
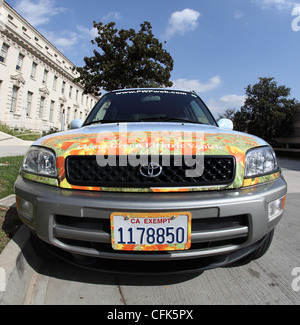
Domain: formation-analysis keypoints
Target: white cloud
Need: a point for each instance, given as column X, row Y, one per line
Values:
column 233, row 100
column 226, row 102
column 92, row 33
column 65, row 40
column 181, row 22
column 278, row 4
column 196, row 85
column 38, row 12
column 112, row 16
column 238, row 14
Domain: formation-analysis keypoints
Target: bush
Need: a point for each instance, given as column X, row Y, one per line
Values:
column 51, row 131
column 23, row 134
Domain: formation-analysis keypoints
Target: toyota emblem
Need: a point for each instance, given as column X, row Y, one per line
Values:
column 150, row 170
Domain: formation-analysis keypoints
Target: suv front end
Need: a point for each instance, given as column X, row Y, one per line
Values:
column 123, row 194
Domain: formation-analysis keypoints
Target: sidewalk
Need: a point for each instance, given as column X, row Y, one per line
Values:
column 12, row 146
column 15, row 272
column 13, row 266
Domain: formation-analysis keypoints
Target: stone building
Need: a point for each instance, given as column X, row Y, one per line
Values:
column 37, row 91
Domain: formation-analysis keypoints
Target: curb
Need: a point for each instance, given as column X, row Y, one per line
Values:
column 15, row 272
column 8, row 201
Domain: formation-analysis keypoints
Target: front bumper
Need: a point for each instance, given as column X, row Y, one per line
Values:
column 226, row 224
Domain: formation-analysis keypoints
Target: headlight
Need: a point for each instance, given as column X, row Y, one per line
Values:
column 260, row 161
column 40, row 161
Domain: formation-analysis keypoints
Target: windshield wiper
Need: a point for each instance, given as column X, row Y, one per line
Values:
column 148, row 119
column 169, row 119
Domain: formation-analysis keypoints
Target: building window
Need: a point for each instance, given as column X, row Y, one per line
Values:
column 68, row 115
column 54, row 83
column 33, row 70
column 61, row 115
column 41, row 108
column 3, row 53
column 20, row 62
column 45, row 76
column 63, row 87
column 14, row 99
column 29, row 103
column 70, row 92
column 51, row 111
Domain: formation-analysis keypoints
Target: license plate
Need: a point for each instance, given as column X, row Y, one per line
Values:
column 151, row 231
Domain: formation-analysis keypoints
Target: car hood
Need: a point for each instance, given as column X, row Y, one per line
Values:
column 91, row 138
column 141, row 138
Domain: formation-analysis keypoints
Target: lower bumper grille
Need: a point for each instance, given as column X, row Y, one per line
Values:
column 94, row 235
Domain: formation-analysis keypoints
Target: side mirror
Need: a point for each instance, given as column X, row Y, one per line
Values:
column 76, row 124
column 225, row 123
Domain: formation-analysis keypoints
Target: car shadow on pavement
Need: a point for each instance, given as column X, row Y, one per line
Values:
column 9, row 223
column 44, row 262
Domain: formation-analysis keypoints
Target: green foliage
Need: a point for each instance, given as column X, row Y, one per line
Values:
column 267, row 111
column 52, row 130
column 9, row 171
column 23, row 134
column 128, row 59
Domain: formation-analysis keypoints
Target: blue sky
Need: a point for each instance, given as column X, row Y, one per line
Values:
column 219, row 46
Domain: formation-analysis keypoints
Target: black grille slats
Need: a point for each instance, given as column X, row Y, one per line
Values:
column 85, row 171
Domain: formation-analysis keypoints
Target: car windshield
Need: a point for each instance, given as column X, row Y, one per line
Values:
column 150, row 105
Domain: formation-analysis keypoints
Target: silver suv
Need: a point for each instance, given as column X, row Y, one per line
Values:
column 150, row 182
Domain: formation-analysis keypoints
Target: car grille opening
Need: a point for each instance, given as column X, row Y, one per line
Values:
column 85, row 171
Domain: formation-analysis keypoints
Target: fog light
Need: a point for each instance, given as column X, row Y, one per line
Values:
column 275, row 208
column 25, row 208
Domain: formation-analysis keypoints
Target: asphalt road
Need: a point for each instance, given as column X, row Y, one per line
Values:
column 265, row 281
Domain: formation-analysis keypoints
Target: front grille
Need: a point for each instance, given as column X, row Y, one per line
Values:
column 85, row 171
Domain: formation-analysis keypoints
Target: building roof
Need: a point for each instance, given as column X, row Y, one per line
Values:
column 18, row 27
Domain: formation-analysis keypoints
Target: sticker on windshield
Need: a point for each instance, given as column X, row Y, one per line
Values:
column 150, row 91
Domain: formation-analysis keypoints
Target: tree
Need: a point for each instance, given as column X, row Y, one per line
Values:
column 128, row 59
column 267, row 110
column 229, row 113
